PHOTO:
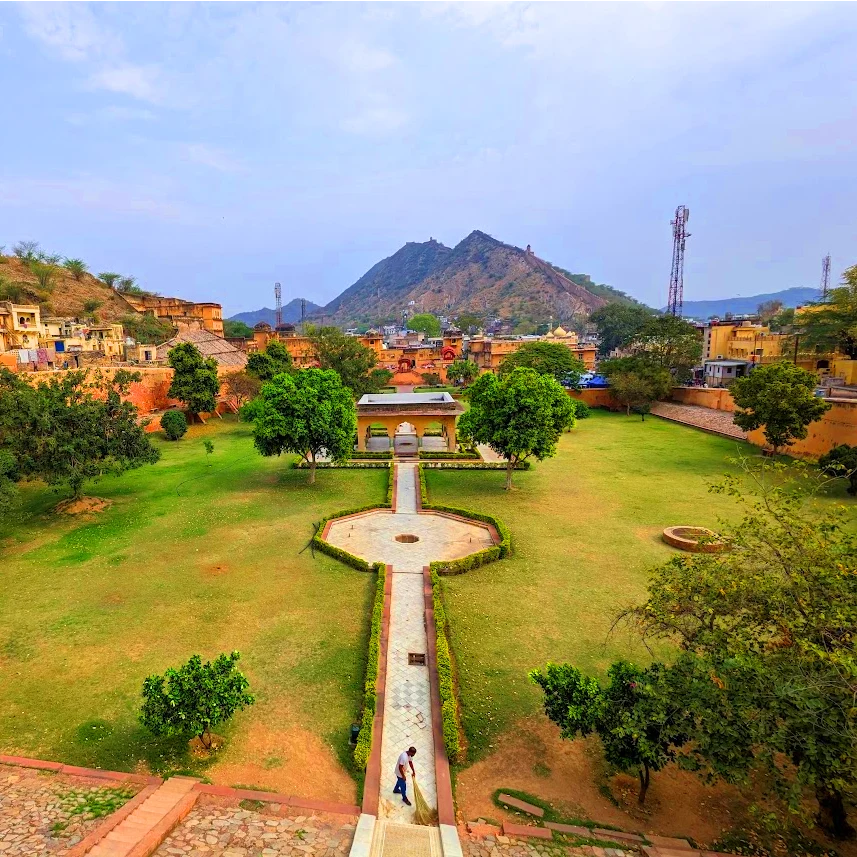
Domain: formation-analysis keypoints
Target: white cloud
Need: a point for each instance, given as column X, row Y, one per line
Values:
column 140, row 82
column 217, row 159
column 70, row 29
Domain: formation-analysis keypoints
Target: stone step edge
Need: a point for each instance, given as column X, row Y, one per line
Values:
column 74, row 770
column 113, row 820
column 284, row 799
column 151, row 840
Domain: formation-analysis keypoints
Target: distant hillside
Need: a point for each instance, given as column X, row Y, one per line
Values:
column 745, row 305
column 291, row 313
column 480, row 275
column 63, row 295
column 600, row 289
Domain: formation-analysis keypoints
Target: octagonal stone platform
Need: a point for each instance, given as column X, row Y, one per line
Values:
column 372, row 536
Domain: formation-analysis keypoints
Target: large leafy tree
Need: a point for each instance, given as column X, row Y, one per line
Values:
column 832, row 326
column 309, row 413
column 349, row 358
column 841, row 461
column 636, row 382
column 767, row 671
column 463, row 371
column 195, row 380
column 671, row 343
column 547, row 358
column 70, row 429
column 426, row 323
column 273, row 360
column 618, row 325
column 779, row 398
column 518, row 416
column 193, row 699
column 639, row 725
column 237, row 329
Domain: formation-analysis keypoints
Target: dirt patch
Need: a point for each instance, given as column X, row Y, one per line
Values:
column 215, row 570
column 113, row 599
column 199, row 751
column 82, row 506
column 533, row 758
column 292, row 761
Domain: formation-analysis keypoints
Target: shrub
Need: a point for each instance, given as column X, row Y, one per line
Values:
column 450, row 456
column 581, row 409
column 446, row 682
column 174, row 424
column 367, row 720
column 374, row 455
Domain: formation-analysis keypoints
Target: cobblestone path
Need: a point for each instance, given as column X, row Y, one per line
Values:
column 40, row 811
column 704, row 418
column 215, row 830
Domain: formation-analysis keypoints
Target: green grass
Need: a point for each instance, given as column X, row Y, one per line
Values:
column 585, row 528
column 199, row 553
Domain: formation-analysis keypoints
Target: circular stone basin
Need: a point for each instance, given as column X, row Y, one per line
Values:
column 407, row 538
column 694, row 539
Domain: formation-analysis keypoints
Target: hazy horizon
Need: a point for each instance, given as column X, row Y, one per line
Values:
column 211, row 149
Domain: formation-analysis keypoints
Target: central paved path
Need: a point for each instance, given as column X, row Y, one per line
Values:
column 407, row 704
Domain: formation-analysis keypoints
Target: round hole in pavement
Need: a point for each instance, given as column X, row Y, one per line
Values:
column 407, row 538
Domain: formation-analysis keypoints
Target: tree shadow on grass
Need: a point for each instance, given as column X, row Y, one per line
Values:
column 127, row 746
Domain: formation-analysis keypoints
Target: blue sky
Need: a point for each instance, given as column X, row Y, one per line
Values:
column 211, row 149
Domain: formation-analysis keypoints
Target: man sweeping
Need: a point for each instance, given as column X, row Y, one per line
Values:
column 405, row 759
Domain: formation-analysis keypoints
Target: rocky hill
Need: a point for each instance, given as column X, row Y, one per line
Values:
column 793, row 297
column 60, row 293
column 480, row 275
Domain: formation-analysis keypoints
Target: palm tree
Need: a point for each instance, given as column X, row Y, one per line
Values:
column 109, row 278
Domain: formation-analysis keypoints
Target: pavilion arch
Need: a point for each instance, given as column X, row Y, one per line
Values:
column 420, row 410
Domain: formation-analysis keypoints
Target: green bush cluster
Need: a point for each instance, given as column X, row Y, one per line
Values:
column 337, row 553
column 581, row 409
column 466, row 563
column 448, row 702
column 364, row 739
column 389, row 500
column 374, row 454
column 303, row 464
column 451, row 456
column 174, row 424
column 474, row 465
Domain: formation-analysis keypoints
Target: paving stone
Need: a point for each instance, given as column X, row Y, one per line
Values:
column 522, row 805
column 704, row 418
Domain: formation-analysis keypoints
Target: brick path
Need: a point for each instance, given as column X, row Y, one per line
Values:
column 704, row 418
column 35, row 805
column 508, row 846
column 215, row 830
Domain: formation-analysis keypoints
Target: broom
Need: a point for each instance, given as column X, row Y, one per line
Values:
column 423, row 813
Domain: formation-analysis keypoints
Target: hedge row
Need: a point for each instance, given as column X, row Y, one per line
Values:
column 448, row 702
column 367, row 720
column 380, row 455
column 337, row 553
column 390, row 480
column 474, row 465
column 452, row 456
column 348, row 465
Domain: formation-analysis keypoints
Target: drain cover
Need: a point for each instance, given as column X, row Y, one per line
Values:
column 407, row 538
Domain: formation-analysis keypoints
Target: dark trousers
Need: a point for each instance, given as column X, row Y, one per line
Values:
column 401, row 787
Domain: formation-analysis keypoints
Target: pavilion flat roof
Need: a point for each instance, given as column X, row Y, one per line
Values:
column 398, row 399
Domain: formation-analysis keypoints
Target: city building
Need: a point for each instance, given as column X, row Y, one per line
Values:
column 180, row 313
column 20, row 326
column 489, row 352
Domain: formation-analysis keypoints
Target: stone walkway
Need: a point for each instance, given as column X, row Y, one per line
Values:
column 703, row 418
column 40, row 812
column 214, row 830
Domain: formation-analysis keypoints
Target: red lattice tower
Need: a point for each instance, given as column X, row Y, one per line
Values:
column 680, row 236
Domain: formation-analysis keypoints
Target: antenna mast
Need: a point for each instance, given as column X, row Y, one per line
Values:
column 680, row 235
column 825, row 276
column 278, row 304
column 303, row 314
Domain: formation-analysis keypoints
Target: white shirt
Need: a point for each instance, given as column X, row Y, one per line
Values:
column 404, row 761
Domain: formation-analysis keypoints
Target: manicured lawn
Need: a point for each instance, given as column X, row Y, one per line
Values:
column 586, row 527
column 199, row 553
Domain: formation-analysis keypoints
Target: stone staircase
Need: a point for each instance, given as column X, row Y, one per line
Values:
column 393, row 839
column 143, row 830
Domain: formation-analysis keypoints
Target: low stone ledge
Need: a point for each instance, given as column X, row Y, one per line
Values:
column 523, row 831
column 522, row 805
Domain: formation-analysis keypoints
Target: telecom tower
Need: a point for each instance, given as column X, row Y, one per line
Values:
column 825, row 276
column 278, row 304
column 680, row 235
column 303, row 313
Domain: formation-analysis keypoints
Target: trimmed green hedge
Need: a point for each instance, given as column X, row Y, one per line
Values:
column 367, row 720
column 348, row 465
column 451, row 456
column 448, row 703
column 337, row 553
column 389, row 500
column 473, row 465
column 380, row 455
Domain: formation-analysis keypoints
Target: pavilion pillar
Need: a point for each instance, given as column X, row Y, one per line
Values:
column 362, row 431
column 449, row 425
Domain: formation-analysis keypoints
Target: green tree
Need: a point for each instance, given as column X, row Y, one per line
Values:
column 147, row 329
column 237, row 329
column 44, row 275
column 308, row 412
column 348, row 357
column 669, row 342
column 780, row 398
column 636, row 382
column 195, row 698
column 128, row 286
column 8, row 478
column 174, row 424
column 832, row 326
column 195, row 380
column 462, row 371
column 241, row 387
column 841, row 461
column 91, row 306
column 639, row 727
column 264, row 365
column 767, row 667
column 547, row 358
column 76, row 267
column 109, row 278
column 431, row 379
column 26, row 250
column 468, row 322
column 518, row 416
column 425, row 322
column 74, row 428
column 783, row 321
column 618, row 325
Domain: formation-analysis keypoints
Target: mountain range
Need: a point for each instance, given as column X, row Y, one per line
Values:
column 291, row 313
column 480, row 276
column 793, row 297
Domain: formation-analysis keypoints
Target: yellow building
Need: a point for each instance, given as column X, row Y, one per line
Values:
column 20, row 326
column 489, row 352
column 743, row 340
